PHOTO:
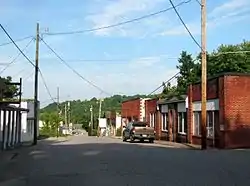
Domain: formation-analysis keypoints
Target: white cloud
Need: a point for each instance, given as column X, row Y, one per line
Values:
column 228, row 13
column 120, row 10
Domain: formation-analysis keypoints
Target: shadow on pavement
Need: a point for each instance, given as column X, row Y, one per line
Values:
column 110, row 162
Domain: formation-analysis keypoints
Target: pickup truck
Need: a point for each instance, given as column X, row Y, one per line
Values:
column 140, row 131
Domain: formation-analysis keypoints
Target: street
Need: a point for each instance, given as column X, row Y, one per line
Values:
column 93, row 161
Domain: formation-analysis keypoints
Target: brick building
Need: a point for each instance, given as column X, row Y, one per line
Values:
column 150, row 111
column 228, row 108
column 134, row 109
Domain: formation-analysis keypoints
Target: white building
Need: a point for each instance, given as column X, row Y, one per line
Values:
column 27, row 121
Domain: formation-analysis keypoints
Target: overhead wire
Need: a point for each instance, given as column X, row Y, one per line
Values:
column 17, row 40
column 170, row 79
column 46, row 86
column 184, row 24
column 43, row 80
column 77, row 73
column 1, row 26
column 120, row 23
column 14, row 60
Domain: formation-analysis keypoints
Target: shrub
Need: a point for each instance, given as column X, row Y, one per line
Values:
column 119, row 131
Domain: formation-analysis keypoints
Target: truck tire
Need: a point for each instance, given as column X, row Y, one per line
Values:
column 151, row 140
column 124, row 139
column 131, row 138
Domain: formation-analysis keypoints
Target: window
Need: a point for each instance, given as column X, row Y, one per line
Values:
column 211, row 117
column 164, row 121
column 210, row 124
column 152, row 119
column 182, row 122
column 197, row 123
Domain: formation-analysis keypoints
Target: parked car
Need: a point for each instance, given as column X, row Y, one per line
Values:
column 140, row 131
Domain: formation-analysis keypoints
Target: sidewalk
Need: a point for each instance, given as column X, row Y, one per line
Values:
column 169, row 143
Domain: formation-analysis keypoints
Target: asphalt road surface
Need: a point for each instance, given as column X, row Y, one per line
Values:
column 92, row 161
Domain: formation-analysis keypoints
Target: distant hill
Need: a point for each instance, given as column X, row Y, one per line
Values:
column 80, row 109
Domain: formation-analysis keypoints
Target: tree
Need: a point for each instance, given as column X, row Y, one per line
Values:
column 80, row 110
column 168, row 91
column 188, row 72
column 50, row 123
column 229, row 58
column 8, row 91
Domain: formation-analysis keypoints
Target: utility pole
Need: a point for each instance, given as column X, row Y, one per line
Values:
column 58, row 110
column 36, row 86
column 203, row 77
column 91, row 117
column 65, row 114
column 100, row 108
column 100, row 112
column 69, row 113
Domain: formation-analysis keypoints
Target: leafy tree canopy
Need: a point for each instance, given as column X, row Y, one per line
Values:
column 7, row 91
column 226, row 58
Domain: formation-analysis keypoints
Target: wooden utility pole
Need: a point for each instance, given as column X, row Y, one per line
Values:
column 65, row 114
column 100, row 112
column 36, row 86
column 91, row 117
column 58, row 111
column 203, row 77
column 69, row 113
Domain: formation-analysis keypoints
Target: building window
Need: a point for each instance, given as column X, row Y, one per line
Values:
column 152, row 119
column 164, row 121
column 197, row 123
column 182, row 122
column 211, row 117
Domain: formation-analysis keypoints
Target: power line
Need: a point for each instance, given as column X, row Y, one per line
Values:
column 12, row 41
column 13, row 61
column 77, row 73
column 17, row 40
column 183, row 23
column 120, row 23
column 198, row 1
column 46, row 86
column 113, row 60
column 174, row 76
column 43, row 80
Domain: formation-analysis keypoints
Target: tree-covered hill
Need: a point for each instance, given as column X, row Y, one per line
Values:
column 80, row 109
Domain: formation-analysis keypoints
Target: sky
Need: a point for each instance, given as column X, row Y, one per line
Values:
column 127, row 59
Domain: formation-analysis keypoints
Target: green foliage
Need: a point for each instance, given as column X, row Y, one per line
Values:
column 168, row 91
column 119, row 131
column 50, row 124
column 222, row 60
column 80, row 110
column 8, row 91
column 92, row 132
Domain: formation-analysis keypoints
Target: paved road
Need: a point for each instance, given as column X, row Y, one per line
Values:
column 91, row 161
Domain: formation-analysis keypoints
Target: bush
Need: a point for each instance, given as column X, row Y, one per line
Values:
column 119, row 131
column 92, row 132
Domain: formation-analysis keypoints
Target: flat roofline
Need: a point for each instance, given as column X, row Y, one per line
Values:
column 136, row 98
column 224, row 74
column 169, row 101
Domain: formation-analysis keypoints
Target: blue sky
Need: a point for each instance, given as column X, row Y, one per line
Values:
column 142, row 54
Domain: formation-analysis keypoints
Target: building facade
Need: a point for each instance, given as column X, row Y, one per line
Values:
column 134, row 109
column 228, row 119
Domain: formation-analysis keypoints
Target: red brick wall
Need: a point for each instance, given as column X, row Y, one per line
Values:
column 190, row 114
column 237, row 111
column 131, row 108
column 150, row 107
column 212, row 90
column 158, row 125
